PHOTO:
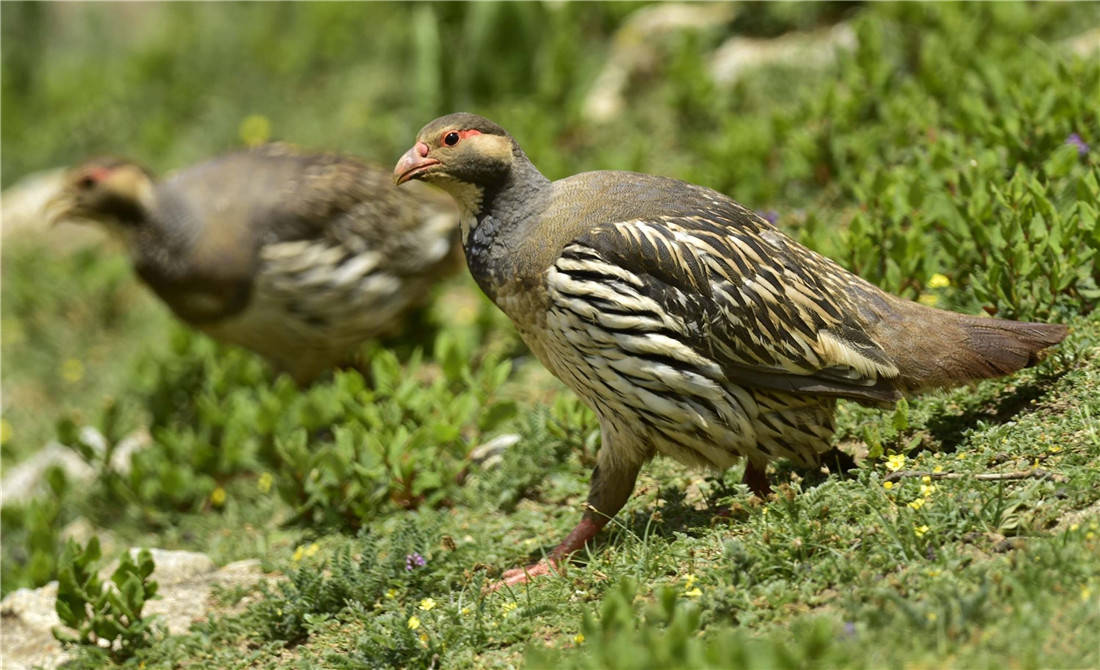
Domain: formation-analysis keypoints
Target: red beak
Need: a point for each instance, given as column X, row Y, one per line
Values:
column 413, row 163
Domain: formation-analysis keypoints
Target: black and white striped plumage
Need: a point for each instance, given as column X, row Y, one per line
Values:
column 693, row 327
column 297, row 256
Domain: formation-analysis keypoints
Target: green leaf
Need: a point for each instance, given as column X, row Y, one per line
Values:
column 900, row 420
column 65, row 637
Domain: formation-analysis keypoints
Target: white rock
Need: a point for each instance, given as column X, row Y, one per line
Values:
column 816, row 48
column 489, row 454
column 23, row 481
column 184, row 578
column 1084, row 44
column 634, row 49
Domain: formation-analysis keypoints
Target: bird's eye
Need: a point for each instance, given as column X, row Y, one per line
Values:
column 86, row 182
column 451, row 139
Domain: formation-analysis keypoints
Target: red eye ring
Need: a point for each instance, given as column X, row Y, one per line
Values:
column 453, row 137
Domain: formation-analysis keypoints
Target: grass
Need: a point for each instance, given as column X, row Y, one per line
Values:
column 937, row 172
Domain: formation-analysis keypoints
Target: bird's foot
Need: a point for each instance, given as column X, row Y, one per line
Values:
column 552, row 564
column 517, row 576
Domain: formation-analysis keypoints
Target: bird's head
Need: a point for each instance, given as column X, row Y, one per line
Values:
column 111, row 191
column 464, row 154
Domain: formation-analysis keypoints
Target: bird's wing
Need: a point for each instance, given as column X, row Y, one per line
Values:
column 320, row 194
column 767, row 311
column 277, row 193
column 356, row 205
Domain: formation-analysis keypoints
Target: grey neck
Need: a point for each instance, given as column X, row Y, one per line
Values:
column 167, row 235
column 505, row 213
column 516, row 195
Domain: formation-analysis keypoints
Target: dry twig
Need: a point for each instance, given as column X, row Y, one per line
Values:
column 1034, row 473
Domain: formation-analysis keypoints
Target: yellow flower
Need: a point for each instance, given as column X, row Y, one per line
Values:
column 391, row 593
column 938, row 281
column 578, row 638
column 424, row 639
column 72, row 370
column 265, row 482
column 887, row 485
column 689, row 581
column 254, row 129
column 1074, row 526
column 928, row 299
column 932, row 616
column 217, row 497
column 938, row 469
column 414, row 622
column 895, row 462
column 926, row 479
column 960, row 455
column 1085, row 592
column 920, row 530
column 927, row 490
column 1054, row 449
column 509, row 606
column 465, row 611
column 918, row 503
column 304, row 551
column 5, row 431
column 427, row 604
column 694, row 593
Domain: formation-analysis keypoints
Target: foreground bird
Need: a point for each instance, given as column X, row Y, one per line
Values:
column 297, row 256
column 691, row 326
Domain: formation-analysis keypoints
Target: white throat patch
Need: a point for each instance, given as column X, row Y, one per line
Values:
column 468, row 196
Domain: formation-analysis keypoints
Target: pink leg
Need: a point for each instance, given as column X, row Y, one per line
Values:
column 608, row 492
column 575, row 541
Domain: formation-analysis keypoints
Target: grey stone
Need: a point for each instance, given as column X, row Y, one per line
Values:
column 185, row 580
column 24, row 480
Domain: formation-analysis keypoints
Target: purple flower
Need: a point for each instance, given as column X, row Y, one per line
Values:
column 849, row 629
column 414, row 561
column 771, row 216
column 1075, row 140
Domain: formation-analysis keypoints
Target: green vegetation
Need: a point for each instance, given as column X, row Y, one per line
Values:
column 964, row 176
column 110, row 613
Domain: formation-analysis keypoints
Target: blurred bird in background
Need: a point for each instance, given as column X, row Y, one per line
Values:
column 297, row 256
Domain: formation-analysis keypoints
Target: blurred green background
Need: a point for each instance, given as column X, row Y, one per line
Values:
column 172, row 83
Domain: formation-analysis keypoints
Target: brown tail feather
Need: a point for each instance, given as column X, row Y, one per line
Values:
column 1001, row 347
column 935, row 348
